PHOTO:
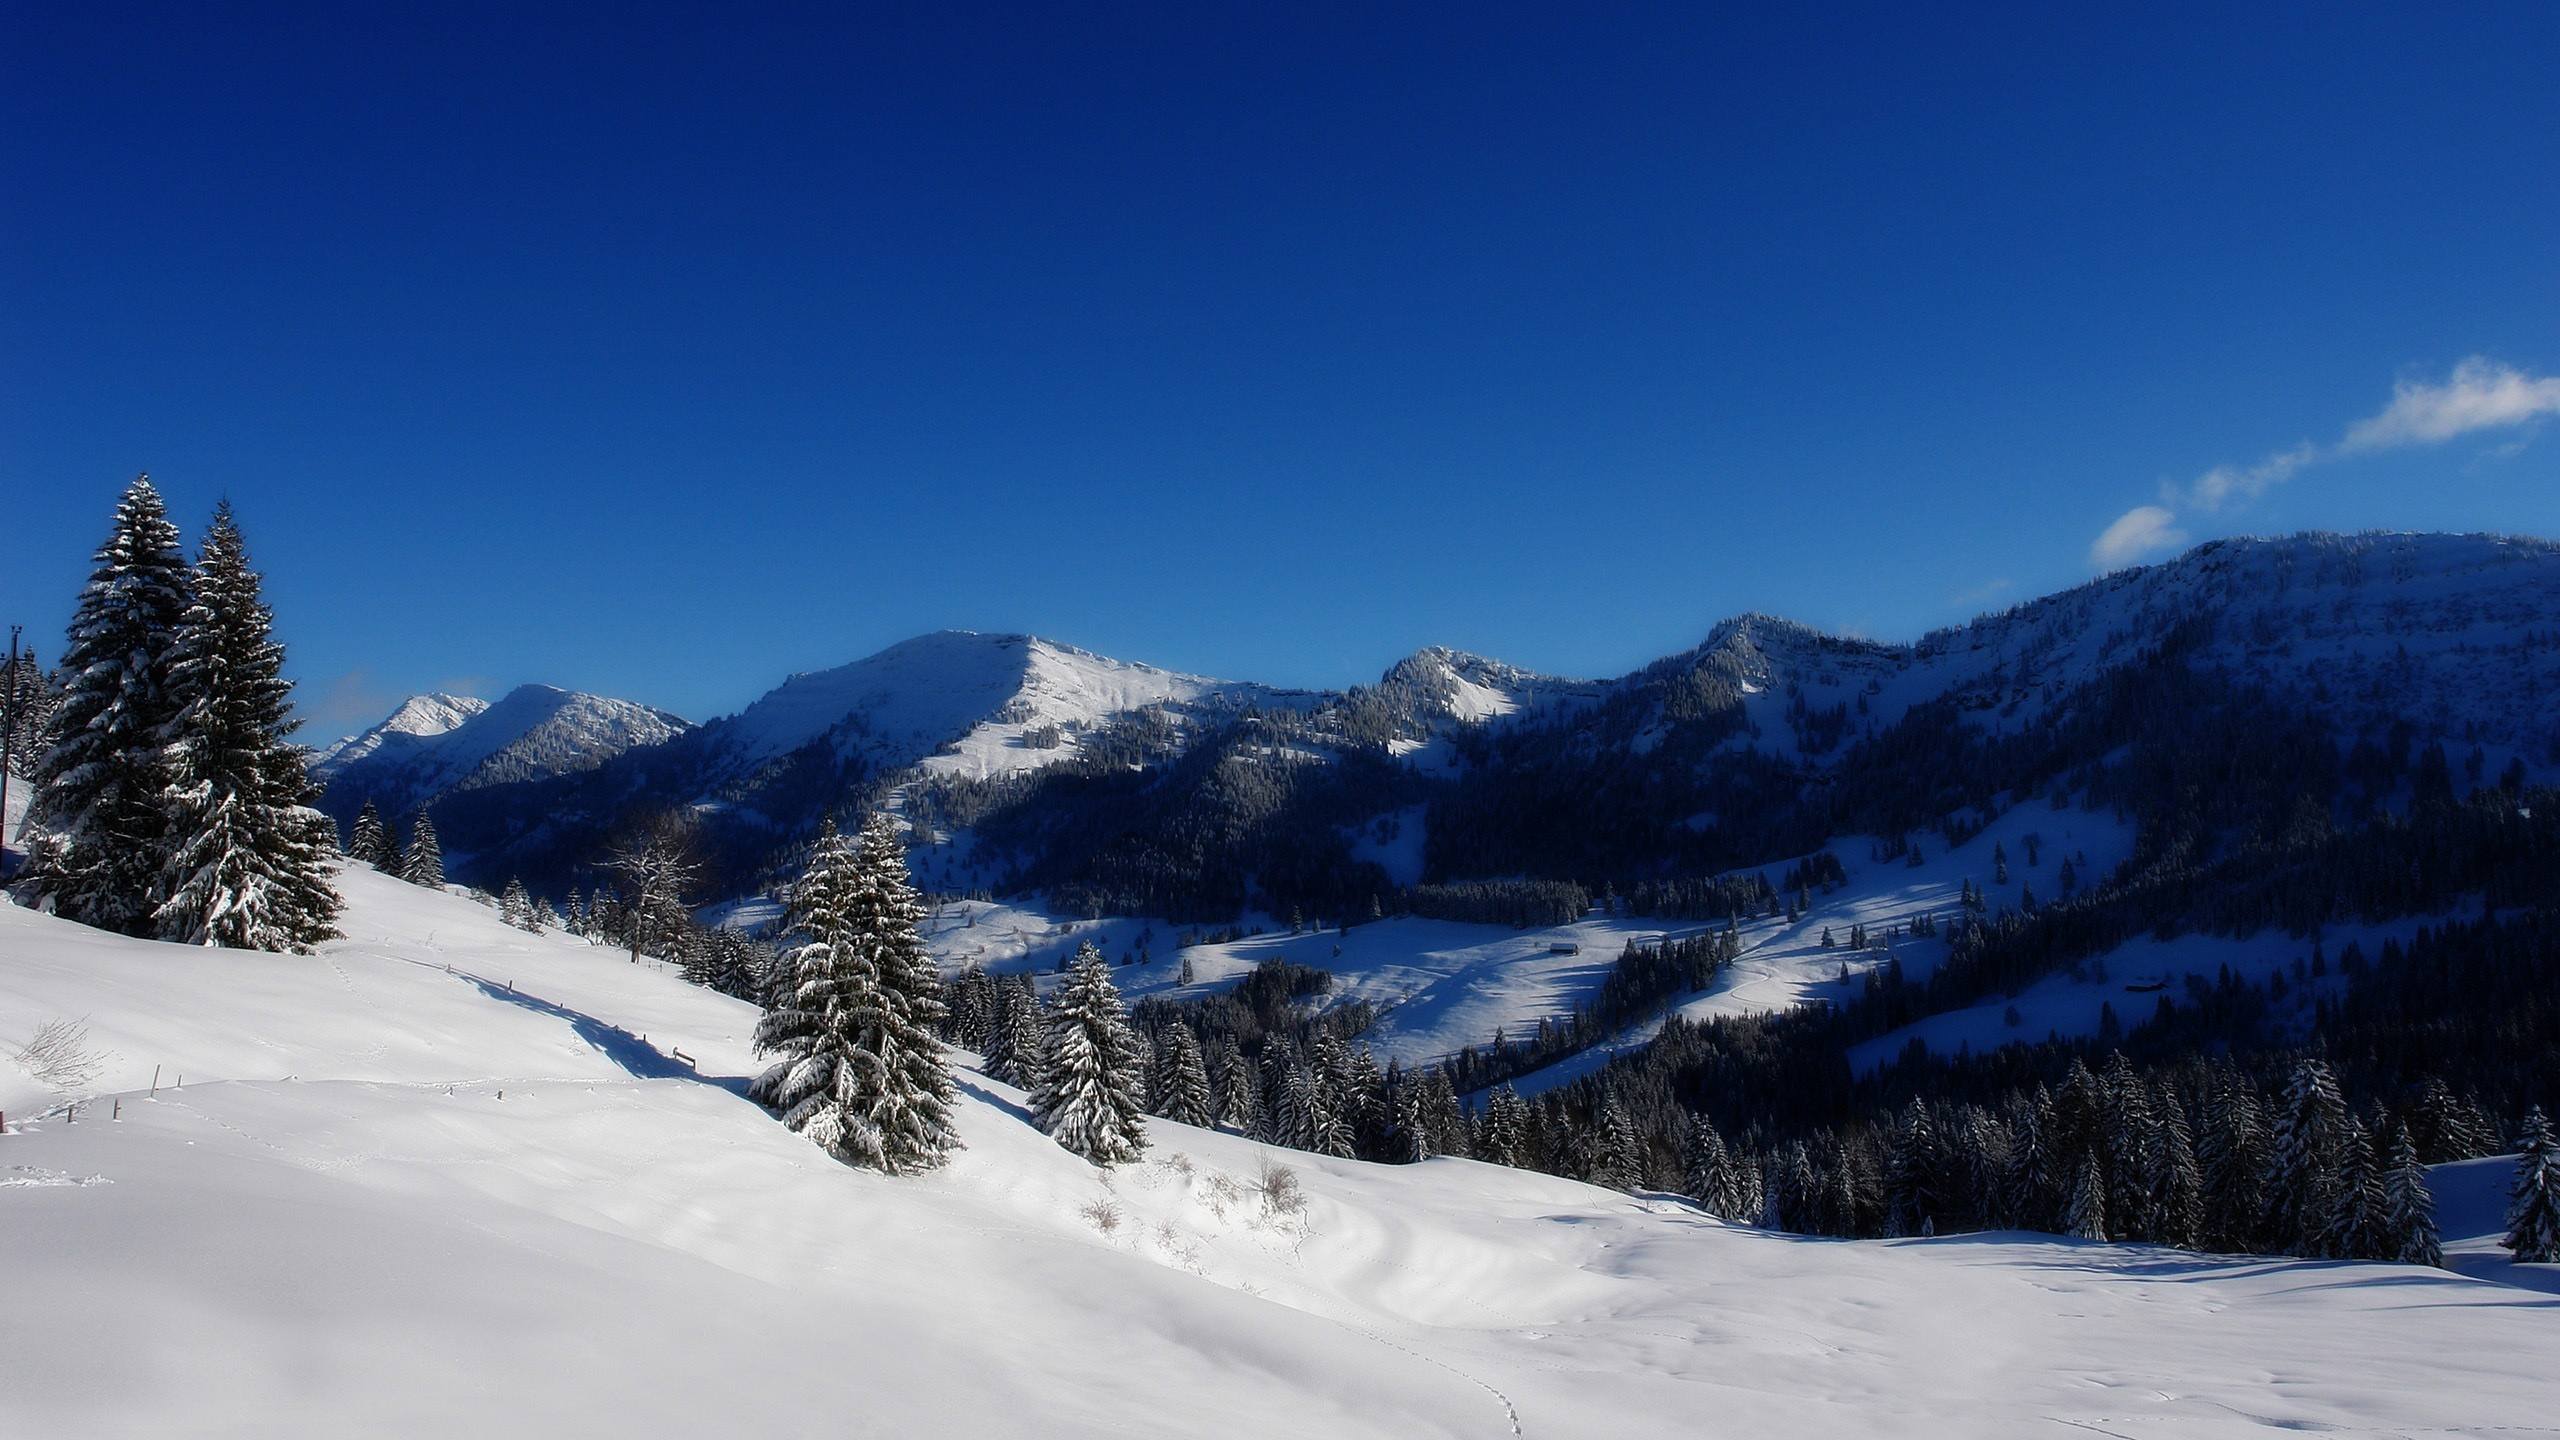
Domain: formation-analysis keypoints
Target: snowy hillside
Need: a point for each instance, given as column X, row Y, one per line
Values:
column 1444, row 985
column 439, row 745
column 447, row 1178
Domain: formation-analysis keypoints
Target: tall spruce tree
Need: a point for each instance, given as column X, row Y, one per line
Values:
column 101, row 843
column 1617, row 1155
column 1501, row 1138
column 2304, row 1157
column 2533, row 1202
column 1182, row 1079
column 2409, row 1208
column 2088, row 1214
column 860, row 1070
column 1088, row 1097
column 424, row 862
column 1013, row 1035
column 249, row 863
column 912, row 1110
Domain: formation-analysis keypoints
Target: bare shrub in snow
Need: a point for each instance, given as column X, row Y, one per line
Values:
column 1102, row 1215
column 1219, row 1191
column 60, row 1056
column 1278, row 1186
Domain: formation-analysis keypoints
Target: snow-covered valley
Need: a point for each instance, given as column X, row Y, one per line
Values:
column 449, row 1177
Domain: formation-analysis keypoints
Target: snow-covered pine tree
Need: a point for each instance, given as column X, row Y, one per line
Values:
column 515, row 907
column 371, row 844
column 1088, row 1093
column 1500, row 1139
column 1013, row 1037
column 2409, row 1208
column 423, row 864
column 2026, row 1182
column 2233, row 1161
column 2533, row 1203
column 2303, row 1158
column 2355, row 1228
column 1703, row 1159
column 100, row 843
column 827, row 982
column 860, row 1071
column 26, row 708
column 1408, row 1139
column 2170, row 1170
column 2125, row 1124
column 1181, row 1079
column 1238, row 1100
column 972, row 1002
column 250, row 862
column 1910, row 1177
column 1333, row 1099
column 1617, row 1156
column 2088, row 1214
column 912, row 1110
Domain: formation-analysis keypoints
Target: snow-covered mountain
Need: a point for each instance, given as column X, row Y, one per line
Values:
column 419, row 718
column 962, row 703
column 449, row 1178
column 439, row 745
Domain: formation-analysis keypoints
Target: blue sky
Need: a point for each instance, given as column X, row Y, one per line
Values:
column 661, row 354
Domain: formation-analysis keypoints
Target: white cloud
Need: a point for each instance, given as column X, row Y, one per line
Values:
column 2481, row 395
column 2141, row 531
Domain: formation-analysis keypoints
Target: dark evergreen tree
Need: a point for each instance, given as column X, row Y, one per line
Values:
column 2356, row 1227
column 1013, row 1041
column 2303, row 1158
column 2533, row 1202
column 1617, row 1156
column 1502, row 1138
column 423, row 864
column 2234, row 1163
column 1182, row 1079
column 2409, row 1208
column 2088, row 1213
column 101, row 842
column 371, row 844
column 1911, row 1200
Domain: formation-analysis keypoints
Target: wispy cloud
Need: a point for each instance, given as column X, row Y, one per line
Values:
column 2480, row 394
column 1981, row 594
column 347, row 702
column 2141, row 532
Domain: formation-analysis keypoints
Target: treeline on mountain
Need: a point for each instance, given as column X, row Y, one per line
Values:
column 2453, row 1034
column 1247, row 814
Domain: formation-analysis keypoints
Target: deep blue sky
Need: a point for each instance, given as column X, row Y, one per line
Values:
column 661, row 355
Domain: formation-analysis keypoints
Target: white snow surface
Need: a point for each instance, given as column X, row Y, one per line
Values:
column 435, row 1182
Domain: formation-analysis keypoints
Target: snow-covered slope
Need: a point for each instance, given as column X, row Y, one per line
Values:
column 446, row 1178
column 438, row 745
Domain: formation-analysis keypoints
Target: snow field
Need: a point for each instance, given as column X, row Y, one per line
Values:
column 384, row 1245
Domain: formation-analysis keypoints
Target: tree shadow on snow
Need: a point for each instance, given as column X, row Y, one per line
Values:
column 623, row 1048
